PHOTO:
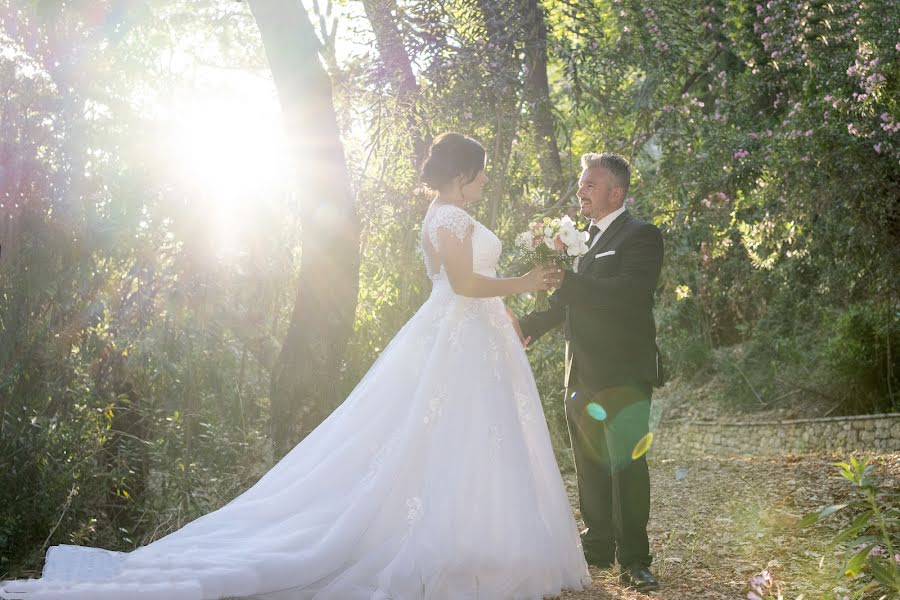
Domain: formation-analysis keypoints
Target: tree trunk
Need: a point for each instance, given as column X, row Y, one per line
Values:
column 381, row 15
column 502, row 36
column 537, row 90
column 305, row 386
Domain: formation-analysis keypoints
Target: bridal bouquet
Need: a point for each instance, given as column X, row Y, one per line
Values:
column 552, row 241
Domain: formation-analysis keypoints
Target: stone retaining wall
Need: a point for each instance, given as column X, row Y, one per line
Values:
column 687, row 439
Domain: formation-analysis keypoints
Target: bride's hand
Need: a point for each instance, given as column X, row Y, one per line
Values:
column 543, row 277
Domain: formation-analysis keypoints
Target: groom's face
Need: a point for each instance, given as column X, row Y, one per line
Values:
column 598, row 193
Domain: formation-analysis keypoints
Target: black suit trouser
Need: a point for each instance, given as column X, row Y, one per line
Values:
column 605, row 427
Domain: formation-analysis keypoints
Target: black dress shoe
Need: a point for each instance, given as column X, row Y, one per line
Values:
column 640, row 578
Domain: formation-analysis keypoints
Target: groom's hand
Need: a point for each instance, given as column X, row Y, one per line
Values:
column 554, row 278
column 515, row 323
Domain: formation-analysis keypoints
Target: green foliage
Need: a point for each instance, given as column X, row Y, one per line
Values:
column 134, row 354
column 766, row 151
column 861, row 352
column 871, row 539
column 127, row 405
column 684, row 339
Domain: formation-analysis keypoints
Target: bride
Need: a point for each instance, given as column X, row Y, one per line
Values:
column 434, row 479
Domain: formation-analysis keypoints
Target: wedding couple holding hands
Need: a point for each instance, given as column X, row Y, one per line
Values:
column 436, row 477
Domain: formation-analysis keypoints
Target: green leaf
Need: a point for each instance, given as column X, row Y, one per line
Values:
column 886, row 572
column 828, row 510
column 864, row 539
column 808, row 520
column 848, row 475
column 857, row 561
column 855, row 527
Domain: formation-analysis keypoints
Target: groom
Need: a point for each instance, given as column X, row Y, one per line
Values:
column 611, row 366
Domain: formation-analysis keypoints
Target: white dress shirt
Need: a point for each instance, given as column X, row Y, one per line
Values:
column 602, row 224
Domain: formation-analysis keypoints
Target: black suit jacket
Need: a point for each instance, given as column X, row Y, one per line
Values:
column 607, row 308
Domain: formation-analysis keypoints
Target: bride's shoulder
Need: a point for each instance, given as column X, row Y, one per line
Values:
column 448, row 210
column 450, row 217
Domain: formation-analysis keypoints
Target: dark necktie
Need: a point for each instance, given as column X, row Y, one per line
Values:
column 593, row 232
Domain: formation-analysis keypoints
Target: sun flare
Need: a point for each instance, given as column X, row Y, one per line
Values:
column 227, row 150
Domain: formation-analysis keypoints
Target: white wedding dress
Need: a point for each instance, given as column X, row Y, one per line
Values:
column 434, row 479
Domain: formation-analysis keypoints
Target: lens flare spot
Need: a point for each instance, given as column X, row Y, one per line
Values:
column 596, row 411
column 642, row 446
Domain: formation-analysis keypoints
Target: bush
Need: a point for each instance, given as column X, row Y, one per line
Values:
column 684, row 345
column 862, row 352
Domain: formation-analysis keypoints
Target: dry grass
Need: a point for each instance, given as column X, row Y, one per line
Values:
column 731, row 517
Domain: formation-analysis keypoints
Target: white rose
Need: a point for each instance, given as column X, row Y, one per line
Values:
column 549, row 243
column 548, row 232
column 567, row 223
column 579, row 249
column 569, row 236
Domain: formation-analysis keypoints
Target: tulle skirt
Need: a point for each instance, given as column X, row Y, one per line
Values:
column 435, row 478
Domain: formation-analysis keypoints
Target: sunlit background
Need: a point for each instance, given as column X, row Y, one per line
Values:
column 223, row 143
column 151, row 237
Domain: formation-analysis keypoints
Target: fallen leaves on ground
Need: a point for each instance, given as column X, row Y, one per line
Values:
column 715, row 522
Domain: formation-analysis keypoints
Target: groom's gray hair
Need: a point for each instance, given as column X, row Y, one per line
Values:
column 614, row 163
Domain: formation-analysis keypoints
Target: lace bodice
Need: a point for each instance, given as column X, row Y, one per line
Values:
column 486, row 246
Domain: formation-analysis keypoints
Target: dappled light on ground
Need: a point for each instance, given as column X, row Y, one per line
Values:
column 717, row 522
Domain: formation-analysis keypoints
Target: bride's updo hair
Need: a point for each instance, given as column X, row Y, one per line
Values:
column 451, row 155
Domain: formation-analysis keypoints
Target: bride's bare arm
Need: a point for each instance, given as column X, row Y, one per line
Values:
column 456, row 254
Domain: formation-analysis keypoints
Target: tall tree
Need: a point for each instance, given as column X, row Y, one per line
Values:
column 305, row 377
column 503, row 33
column 537, row 90
column 382, row 15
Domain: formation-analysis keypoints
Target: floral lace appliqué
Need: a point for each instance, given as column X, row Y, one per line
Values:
column 453, row 219
column 486, row 246
column 491, row 356
column 466, row 310
column 435, row 408
column 414, row 509
column 496, row 436
column 378, row 459
column 522, row 404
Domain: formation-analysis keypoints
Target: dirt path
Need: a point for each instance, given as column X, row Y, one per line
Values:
column 727, row 519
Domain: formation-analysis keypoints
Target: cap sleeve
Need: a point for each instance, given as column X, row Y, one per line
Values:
column 452, row 219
